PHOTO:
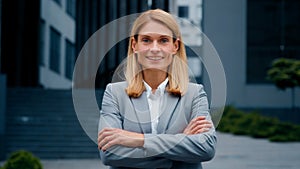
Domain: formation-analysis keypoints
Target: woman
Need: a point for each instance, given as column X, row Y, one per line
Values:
column 156, row 119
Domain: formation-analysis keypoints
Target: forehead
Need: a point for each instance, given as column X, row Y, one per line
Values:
column 155, row 28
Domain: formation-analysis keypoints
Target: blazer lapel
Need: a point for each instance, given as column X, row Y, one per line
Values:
column 142, row 112
column 168, row 108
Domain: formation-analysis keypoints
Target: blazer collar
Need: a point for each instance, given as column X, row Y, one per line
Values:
column 168, row 108
column 161, row 89
column 142, row 111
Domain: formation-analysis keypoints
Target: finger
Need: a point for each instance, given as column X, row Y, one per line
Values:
column 105, row 141
column 203, row 130
column 190, row 124
column 105, row 130
column 101, row 133
column 197, row 128
column 101, row 142
column 200, row 118
column 199, row 123
column 109, row 144
column 195, row 125
column 199, row 131
column 193, row 122
column 197, row 119
column 104, row 135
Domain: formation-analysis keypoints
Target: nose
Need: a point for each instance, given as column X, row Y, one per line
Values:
column 155, row 47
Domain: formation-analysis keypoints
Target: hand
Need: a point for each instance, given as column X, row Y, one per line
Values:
column 109, row 137
column 198, row 125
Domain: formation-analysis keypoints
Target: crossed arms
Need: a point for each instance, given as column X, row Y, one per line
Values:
column 119, row 147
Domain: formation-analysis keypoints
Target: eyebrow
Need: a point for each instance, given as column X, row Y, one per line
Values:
column 161, row 36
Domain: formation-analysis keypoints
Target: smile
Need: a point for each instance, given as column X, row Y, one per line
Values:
column 155, row 58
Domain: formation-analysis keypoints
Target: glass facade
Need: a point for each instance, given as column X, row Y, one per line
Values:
column 183, row 11
column 273, row 31
column 71, row 8
column 58, row 2
column 55, row 46
column 70, row 59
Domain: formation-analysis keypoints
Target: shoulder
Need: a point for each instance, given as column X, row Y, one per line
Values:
column 192, row 87
column 117, row 87
column 195, row 90
column 122, row 84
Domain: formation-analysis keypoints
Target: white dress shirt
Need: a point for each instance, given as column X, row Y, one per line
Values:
column 155, row 101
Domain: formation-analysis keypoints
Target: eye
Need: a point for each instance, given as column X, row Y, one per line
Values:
column 164, row 40
column 146, row 40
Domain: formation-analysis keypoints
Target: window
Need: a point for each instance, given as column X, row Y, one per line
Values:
column 58, row 2
column 70, row 59
column 273, row 30
column 55, row 50
column 71, row 8
column 183, row 11
column 42, row 43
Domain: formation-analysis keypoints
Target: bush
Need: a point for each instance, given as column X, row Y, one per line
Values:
column 229, row 118
column 286, row 132
column 258, row 126
column 22, row 160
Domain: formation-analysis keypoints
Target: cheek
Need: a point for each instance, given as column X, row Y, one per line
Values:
column 140, row 47
column 169, row 59
column 170, row 49
column 140, row 59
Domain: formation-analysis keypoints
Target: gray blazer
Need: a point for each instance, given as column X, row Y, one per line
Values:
column 167, row 149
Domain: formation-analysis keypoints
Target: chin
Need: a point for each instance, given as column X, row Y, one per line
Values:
column 156, row 69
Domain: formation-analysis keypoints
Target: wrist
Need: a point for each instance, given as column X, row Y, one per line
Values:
column 140, row 139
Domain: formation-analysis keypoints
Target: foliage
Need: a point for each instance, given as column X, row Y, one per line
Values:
column 22, row 160
column 253, row 124
column 285, row 73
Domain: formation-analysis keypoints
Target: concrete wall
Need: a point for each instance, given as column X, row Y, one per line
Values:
column 55, row 16
column 225, row 24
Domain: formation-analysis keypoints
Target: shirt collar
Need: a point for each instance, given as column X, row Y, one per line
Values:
column 160, row 89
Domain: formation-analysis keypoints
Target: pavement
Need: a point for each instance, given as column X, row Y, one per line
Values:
column 233, row 152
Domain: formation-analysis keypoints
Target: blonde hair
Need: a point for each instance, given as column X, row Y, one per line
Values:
column 177, row 71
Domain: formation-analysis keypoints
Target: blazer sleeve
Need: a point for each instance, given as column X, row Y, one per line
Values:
column 119, row 155
column 159, row 150
column 181, row 147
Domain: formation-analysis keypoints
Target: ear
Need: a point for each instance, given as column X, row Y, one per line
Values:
column 176, row 46
column 133, row 44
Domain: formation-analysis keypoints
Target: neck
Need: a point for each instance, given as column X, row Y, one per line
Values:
column 154, row 77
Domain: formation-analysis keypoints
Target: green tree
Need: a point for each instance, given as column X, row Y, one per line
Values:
column 285, row 73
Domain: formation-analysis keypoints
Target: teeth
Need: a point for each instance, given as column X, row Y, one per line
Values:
column 154, row 58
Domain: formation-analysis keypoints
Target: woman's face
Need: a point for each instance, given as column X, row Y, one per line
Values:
column 155, row 46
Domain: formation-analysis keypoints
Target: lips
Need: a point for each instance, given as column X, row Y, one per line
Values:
column 155, row 58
